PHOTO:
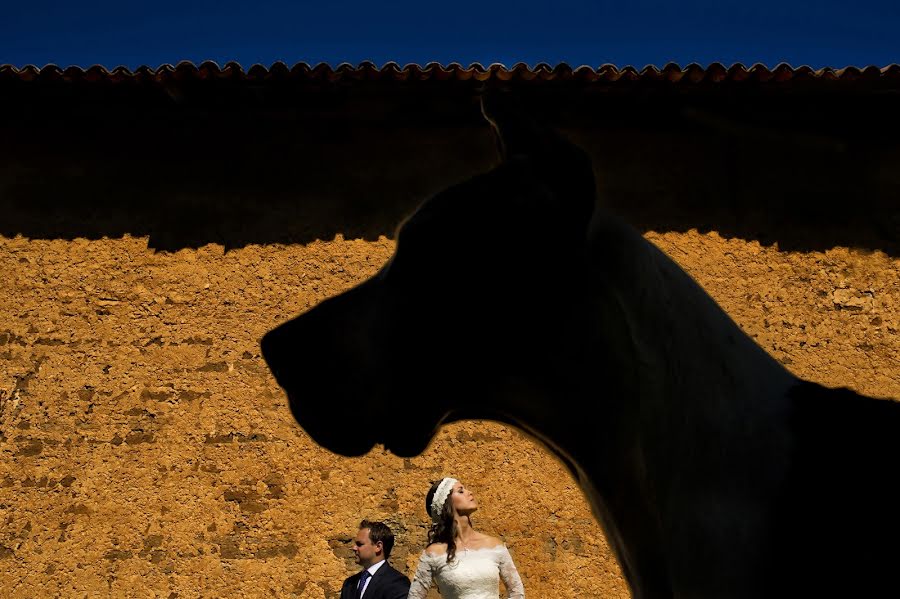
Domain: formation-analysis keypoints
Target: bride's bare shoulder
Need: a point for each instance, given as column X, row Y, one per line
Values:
column 489, row 542
column 436, row 549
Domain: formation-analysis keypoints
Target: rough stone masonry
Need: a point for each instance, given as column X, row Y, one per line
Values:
column 146, row 451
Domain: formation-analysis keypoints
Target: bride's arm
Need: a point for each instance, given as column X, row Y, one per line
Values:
column 421, row 582
column 510, row 576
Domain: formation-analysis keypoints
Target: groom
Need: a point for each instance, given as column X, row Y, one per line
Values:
column 378, row 580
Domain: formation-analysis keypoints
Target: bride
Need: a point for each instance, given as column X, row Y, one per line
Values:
column 464, row 563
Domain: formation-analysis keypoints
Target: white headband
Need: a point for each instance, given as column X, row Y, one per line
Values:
column 440, row 496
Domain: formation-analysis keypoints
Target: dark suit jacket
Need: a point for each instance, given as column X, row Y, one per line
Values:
column 387, row 583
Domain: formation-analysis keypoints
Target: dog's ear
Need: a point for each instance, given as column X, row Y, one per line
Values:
column 562, row 167
column 517, row 133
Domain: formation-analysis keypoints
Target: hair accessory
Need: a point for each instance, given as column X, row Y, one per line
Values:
column 440, row 496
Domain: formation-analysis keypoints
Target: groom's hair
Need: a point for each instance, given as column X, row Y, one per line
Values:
column 380, row 533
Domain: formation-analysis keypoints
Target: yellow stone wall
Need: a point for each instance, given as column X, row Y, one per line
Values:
column 146, row 451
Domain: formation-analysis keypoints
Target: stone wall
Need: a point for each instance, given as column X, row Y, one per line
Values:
column 147, row 451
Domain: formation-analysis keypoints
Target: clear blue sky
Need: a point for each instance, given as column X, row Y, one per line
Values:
column 638, row 32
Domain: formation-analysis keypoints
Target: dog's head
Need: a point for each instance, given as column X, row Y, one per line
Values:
column 478, row 296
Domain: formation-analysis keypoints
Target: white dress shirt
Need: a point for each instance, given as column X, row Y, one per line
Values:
column 372, row 569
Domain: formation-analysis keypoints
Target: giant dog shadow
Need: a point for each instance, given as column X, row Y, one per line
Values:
column 714, row 471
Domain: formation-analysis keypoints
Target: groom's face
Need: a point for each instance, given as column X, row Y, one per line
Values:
column 367, row 553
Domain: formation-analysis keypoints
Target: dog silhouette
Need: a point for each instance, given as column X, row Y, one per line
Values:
column 514, row 297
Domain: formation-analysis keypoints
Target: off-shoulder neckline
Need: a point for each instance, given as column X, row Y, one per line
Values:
column 460, row 552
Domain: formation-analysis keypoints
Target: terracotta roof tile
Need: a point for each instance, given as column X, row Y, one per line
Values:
column 433, row 71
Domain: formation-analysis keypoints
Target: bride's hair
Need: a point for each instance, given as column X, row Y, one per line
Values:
column 444, row 530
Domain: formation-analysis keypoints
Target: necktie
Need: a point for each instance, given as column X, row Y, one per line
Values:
column 362, row 582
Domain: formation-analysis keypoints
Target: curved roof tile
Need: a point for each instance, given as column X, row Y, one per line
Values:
column 391, row 71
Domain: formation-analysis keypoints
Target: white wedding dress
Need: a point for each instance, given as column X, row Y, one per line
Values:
column 473, row 574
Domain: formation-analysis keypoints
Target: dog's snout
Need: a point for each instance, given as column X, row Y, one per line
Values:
column 282, row 349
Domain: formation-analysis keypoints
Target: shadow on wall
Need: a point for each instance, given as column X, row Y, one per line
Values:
column 234, row 164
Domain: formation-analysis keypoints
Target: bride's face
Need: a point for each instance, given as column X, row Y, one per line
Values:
column 463, row 500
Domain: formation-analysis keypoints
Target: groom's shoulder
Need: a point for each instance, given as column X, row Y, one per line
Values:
column 395, row 573
column 351, row 578
column 349, row 586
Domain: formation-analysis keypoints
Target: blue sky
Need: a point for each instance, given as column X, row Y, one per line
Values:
column 640, row 32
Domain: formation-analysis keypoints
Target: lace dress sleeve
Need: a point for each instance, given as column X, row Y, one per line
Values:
column 510, row 576
column 421, row 582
